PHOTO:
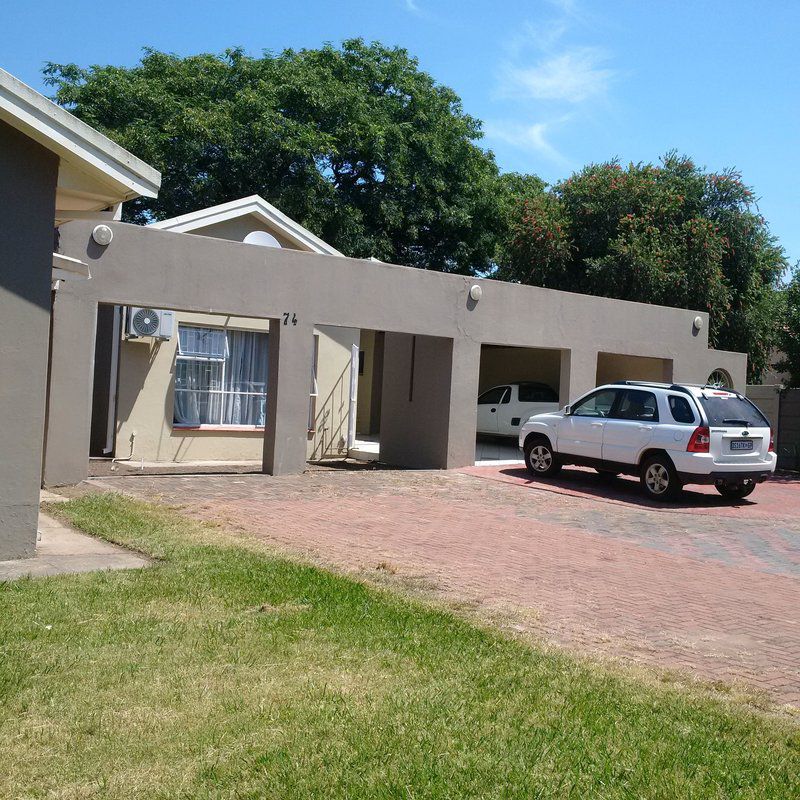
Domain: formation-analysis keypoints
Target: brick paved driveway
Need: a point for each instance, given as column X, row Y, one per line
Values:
column 703, row 586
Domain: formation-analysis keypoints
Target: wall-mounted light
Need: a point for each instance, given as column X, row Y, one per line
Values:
column 475, row 292
column 102, row 234
column 698, row 323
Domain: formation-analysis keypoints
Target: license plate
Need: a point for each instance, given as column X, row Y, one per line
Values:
column 742, row 444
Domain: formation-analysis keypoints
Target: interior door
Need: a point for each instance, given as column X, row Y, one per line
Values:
column 488, row 406
column 581, row 433
column 630, row 427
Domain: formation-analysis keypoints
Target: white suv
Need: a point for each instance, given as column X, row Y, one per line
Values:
column 667, row 434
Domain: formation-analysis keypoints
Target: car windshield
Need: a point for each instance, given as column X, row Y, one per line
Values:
column 728, row 409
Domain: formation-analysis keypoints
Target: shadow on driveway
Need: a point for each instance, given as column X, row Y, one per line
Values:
column 779, row 495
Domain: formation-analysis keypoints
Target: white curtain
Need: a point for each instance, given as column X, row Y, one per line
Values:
column 245, row 371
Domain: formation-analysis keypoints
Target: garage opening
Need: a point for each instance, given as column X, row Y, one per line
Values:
column 514, row 383
column 614, row 367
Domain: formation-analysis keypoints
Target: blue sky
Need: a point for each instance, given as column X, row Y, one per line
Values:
column 558, row 83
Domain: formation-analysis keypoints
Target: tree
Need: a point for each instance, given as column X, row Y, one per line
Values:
column 356, row 143
column 789, row 335
column 670, row 234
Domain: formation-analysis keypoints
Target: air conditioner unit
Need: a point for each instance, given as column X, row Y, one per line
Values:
column 149, row 322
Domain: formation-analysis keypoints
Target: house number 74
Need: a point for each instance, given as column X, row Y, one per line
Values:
column 289, row 316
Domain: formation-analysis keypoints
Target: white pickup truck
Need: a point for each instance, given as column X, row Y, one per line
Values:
column 502, row 410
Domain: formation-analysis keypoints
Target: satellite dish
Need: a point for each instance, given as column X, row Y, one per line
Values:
column 261, row 238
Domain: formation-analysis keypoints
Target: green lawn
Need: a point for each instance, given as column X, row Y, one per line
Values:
column 224, row 672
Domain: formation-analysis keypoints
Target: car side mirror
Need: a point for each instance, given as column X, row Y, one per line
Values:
column 567, row 410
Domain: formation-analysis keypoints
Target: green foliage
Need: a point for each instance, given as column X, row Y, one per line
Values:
column 789, row 336
column 669, row 234
column 356, row 143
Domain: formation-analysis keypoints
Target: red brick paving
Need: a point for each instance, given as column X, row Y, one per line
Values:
column 704, row 586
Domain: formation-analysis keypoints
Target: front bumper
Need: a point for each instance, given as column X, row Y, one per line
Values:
column 726, row 477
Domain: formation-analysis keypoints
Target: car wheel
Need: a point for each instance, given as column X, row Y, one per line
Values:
column 659, row 479
column 735, row 491
column 540, row 459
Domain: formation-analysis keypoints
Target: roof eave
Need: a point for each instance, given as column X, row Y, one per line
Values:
column 73, row 140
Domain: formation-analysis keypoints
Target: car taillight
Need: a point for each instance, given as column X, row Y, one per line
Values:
column 699, row 441
column 771, row 441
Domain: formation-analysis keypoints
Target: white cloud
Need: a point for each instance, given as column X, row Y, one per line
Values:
column 533, row 138
column 411, row 5
column 574, row 75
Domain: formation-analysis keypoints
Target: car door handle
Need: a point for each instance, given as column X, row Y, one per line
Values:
column 597, row 424
column 647, row 427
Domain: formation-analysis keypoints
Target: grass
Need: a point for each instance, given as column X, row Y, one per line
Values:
column 222, row 672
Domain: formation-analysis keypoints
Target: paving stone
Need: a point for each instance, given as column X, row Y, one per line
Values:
column 703, row 586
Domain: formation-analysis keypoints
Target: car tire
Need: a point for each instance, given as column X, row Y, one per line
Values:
column 659, row 479
column 735, row 491
column 540, row 459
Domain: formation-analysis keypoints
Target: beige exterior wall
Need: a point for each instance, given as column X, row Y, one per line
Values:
column 146, row 397
column 612, row 367
column 237, row 228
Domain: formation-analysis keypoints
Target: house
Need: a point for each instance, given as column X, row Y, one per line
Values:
column 53, row 169
column 199, row 393
column 441, row 337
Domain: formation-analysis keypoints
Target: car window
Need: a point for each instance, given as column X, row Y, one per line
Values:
column 730, row 409
column 636, row 404
column 596, row 405
column 494, row 396
column 681, row 410
column 531, row 393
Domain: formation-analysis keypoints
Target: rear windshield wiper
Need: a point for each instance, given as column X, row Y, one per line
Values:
column 736, row 422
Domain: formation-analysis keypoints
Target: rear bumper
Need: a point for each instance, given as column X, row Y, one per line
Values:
column 756, row 476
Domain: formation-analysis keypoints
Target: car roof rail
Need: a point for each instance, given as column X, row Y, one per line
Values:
column 645, row 383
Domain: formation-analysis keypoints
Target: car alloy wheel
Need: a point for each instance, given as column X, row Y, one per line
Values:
column 657, row 478
column 540, row 458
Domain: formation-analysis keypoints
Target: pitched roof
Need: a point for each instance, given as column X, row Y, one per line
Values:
column 94, row 172
column 256, row 206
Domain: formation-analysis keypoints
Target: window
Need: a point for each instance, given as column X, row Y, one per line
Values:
column 536, row 393
column 220, row 377
column 720, row 378
column 681, row 410
column 500, row 394
column 637, row 405
column 730, row 409
column 596, row 405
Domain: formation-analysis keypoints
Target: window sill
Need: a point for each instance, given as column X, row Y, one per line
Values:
column 235, row 428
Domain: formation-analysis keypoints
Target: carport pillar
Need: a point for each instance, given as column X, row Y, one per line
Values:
column 291, row 351
column 69, row 402
column 428, row 411
column 578, row 374
column 465, row 375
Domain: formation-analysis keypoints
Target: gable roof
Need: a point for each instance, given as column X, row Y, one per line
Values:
column 94, row 172
column 256, row 206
